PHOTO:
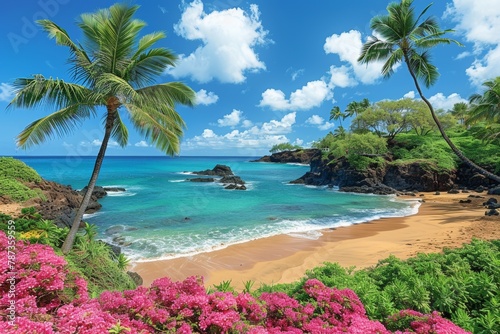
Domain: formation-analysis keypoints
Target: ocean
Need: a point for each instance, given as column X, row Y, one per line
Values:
column 160, row 215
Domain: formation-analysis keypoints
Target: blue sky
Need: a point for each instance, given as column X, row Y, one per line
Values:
column 265, row 71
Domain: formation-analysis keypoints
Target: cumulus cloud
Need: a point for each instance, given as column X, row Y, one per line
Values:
column 479, row 22
column 141, row 143
column 348, row 46
column 440, row 101
column 98, row 143
column 255, row 138
column 206, row 98
column 318, row 121
column 409, row 95
column 6, row 92
column 341, row 77
column 231, row 119
column 309, row 96
column 227, row 37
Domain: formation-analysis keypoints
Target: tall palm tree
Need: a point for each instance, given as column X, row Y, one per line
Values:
column 406, row 37
column 115, row 69
column 355, row 108
column 337, row 114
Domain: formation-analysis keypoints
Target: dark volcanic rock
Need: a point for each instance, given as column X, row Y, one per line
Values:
column 378, row 190
column 202, row 179
column 98, row 192
column 494, row 191
column 232, row 179
column 414, row 177
column 135, row 277
column 218, row 170
column 298, row 156
column 114, row 189
column 62, row 202
column 235, row 187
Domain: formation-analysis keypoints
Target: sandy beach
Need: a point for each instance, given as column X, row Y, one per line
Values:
column 441, row 222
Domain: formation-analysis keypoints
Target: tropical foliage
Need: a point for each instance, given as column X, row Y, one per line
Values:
column 486, row 107
column 284, row 147
column 13, row 176
column 407, row 37
column 114, row 70
column 51, row 298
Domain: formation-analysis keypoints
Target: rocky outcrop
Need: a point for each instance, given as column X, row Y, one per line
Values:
column 61, row 202
column 218, row 170
column 298, row 156
column 390, row 179
column 227, row 177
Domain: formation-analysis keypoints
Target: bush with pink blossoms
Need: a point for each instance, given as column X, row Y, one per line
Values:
column 51, row 299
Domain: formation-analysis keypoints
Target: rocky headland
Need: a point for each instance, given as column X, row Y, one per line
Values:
column 391, row 178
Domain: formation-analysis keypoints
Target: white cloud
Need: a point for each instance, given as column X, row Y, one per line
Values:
column 206, row 98
column 348, row 46
column 309, row 96
column 315, row 120
column 409, row 95
column 246, row 123
column 6, row 92
column 463, row 55
column 231, row 119
column 440, row 101
column 228, row 39
column 318, row 121
column 479, row 22
column 260, row 137
column 141, row 143
column 98, row 143
column 295, row 73
column 340, row 77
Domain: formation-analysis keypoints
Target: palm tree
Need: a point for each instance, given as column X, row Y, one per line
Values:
column 113, row 69
column 355, row 108
column 487, row 107
column 460, row 111
column 407, row 38
column 336, row 114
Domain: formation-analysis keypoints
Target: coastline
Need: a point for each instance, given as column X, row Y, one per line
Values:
column 441, row 221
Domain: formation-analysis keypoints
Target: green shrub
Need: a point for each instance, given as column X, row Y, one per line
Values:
column 462, row 284
column 17, row 191
column 15, row 169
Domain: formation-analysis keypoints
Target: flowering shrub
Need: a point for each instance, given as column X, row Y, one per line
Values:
column 51, row 299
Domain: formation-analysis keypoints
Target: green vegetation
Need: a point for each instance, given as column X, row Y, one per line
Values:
column 16, row 169
column 284, row 147
column 13, row 176
column 91, row 259
column 462, row 284
column 407, row 37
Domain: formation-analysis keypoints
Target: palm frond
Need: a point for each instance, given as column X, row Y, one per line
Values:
column 144, row 68
column 422, row 67
column 41, row 92
column 168, row 94
column 109, row 84
column 395, row 58
column 81, row 62
column 120, row 131
column 375, row 50
column 163, row 130
column 148, row 41
column 59, row 123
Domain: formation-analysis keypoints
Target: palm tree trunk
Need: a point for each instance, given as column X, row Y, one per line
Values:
column 455, row 149
column 70, row 238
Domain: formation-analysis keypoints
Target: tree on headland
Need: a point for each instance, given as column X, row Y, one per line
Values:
column 113, row 69
column 337, row 114
column 284, row 147
column 409, row 38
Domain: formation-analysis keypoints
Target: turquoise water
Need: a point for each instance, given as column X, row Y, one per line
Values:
column 160, row 215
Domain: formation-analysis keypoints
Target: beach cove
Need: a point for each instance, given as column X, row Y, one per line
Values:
column 441, row 222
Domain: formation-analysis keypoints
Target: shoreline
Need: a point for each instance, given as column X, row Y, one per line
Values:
column 440, row 222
